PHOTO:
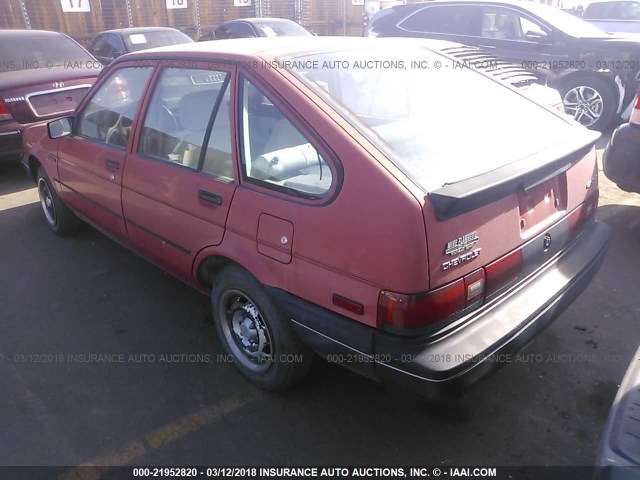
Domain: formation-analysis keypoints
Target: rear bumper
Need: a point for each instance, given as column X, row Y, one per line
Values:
column 440, row 369
column 500, row 329
column 621, row 160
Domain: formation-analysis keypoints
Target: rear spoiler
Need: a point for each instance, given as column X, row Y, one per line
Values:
column 461, row 197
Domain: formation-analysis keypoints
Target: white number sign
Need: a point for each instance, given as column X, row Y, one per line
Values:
column 241, row 3
column 75, row 5
column 171, row 4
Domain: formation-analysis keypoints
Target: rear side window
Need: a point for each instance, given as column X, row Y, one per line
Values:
column 628, row 11
column 186, row 106
column 275, row 153
column 108, row 116
column 442, row 19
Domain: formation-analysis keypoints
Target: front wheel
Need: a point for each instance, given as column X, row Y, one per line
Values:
column 591, row 101
column 254, row 331
column 60, row 219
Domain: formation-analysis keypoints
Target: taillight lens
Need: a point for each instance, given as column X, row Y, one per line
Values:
column 423, row 309
column 412, row 312
column 503, row 272
column 4, row 112
column 582, row 214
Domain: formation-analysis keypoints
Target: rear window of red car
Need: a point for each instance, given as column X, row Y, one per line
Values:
column 437, row 120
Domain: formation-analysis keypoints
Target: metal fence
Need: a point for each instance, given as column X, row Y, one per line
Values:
column 82, row 19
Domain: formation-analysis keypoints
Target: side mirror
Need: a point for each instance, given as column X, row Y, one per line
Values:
column 59, row 128
column 536, row 36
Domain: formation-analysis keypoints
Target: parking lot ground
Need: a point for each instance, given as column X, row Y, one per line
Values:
column 106, row 359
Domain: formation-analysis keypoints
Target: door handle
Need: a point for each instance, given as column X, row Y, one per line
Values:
column 112, row 164
column 209, row 197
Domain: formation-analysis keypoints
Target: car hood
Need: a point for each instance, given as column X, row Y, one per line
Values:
column 17, row 78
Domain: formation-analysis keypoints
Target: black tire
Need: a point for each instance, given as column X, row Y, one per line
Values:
column 60, row 219
column 576, row 103
column 254, row 331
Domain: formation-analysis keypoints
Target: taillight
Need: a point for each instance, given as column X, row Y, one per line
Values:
column 4, row 112
column 503, row 272
column 423, row 309
column 583, row 213
column 410, row 313
column 635, row 113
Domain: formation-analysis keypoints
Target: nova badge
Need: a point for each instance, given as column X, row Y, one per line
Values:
column 461, row 244
column 467, row 257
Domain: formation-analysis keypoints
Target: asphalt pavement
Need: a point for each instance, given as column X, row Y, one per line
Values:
column 106, row 359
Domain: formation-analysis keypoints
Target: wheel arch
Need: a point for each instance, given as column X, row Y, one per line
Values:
column 211, row 261
column 33, row 163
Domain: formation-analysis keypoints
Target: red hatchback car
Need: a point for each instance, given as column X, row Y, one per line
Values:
column 330, row 195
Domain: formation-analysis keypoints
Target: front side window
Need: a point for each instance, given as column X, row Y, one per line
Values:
column 275, row 153
column 455, row 20
column 108, row 116
column 178, row 120
column 504, row 24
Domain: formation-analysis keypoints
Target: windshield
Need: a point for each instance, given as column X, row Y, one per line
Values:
column 154, row 38
column 567, row 23
column 281, row 29
column 40, row 51
column 438, row 122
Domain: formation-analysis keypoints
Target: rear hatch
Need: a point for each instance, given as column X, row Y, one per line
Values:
column 504, row 183
column 44, row 93
column 513, row 219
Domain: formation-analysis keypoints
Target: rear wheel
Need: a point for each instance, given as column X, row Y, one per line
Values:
column 255, row 333
column 60, row 219
column 590, row 101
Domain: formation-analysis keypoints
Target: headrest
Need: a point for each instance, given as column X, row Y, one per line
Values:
column 195, row 109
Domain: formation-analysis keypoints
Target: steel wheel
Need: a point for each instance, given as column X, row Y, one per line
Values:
column 60, row 219
column 585, row 104
column 46, row 200
column 245, row 331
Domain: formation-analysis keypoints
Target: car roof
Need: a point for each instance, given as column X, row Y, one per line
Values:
column 512, row 3
column 592, row 2
column 134, row 30
column 29, row 33
column 268, row 48
column 262, row 20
